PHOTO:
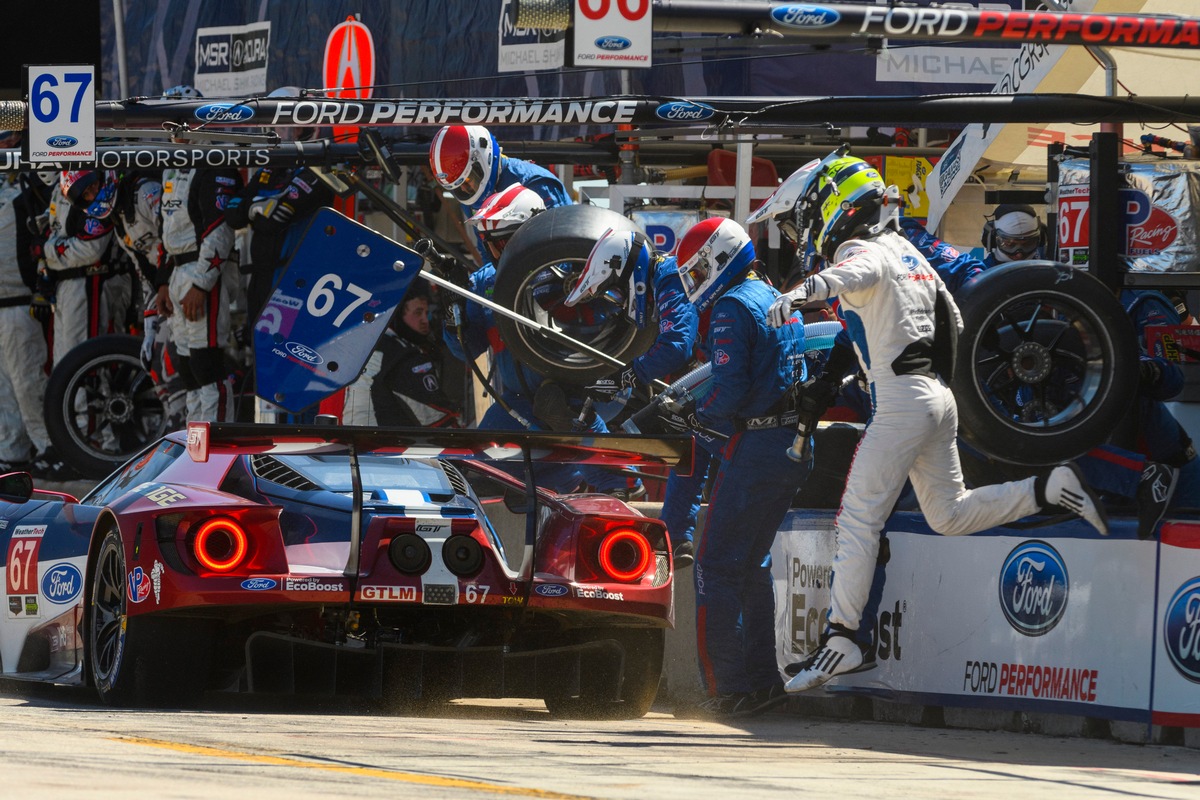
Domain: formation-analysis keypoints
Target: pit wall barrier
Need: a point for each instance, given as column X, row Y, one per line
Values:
column 1050, row 629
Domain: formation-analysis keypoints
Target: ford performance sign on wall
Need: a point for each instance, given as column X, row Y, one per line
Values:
column 612, row 33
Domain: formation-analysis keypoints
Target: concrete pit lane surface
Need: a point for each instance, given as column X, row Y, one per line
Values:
column 60, row 743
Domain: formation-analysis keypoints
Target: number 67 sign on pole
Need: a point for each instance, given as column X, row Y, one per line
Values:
column 62, row 114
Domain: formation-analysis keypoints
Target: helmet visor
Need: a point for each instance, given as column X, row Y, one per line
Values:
column 1018, row 246
column 472, row 184
column 695, row 272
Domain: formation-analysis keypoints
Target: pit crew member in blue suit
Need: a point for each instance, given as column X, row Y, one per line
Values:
column 625, row 268
column 466, row 161
column 496, row 221
column 902, row 321
column 754, row 367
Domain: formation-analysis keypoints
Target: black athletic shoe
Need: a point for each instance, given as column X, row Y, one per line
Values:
column 684, row 554
column 719, row 706
column 1154, row 494
column 629, row 495
column 762, row 700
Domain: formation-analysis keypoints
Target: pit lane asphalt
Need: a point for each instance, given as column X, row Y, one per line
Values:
column 57, row 742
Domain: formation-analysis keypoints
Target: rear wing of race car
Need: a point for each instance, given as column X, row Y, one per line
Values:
column 611, row 450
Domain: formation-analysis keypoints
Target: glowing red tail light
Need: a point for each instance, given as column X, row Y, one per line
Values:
column 625, row 555
column 220, row 544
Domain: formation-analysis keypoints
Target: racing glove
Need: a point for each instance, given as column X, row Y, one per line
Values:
column 1149, row 372
column 607, row 388
column 41, row 307
column 781, row 310
column 679, row 416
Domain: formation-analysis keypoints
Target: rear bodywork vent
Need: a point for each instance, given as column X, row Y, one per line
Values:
column 272, row 469
column 457, row 481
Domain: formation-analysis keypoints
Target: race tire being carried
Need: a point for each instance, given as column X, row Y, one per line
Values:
column 1047, row 365
column 538, row 268
column 617, row 679
column 102, row 406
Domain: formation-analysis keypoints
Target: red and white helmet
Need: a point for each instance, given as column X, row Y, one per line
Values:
column 502, row 213
column 76, row 186
column 713, row 255
column 465, row 159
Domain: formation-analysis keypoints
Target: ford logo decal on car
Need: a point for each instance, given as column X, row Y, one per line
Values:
column 62, row 583
column 1033, row 588
column 61, row 142
column 805, row 16
column 550, row 589
column 304, row 353
column 1181, row 630
column 684, row 111
column 223, row 112
column 613, row 43
column 259, row 584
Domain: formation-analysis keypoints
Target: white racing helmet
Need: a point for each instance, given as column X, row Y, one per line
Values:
column 618, row 266
column 465, row 160
column 781, row 205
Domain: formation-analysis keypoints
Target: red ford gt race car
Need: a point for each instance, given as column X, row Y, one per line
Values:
column 405, row 565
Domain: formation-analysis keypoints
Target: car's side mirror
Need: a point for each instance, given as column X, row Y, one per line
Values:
column 16, row 487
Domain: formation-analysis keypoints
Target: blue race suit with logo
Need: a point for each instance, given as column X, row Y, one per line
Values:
column 1159, row 435
column 516, row 385
column 754, row 367
column 888, row 295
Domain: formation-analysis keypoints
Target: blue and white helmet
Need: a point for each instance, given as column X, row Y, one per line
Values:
column 713, row 255
column 183, row 92
column 619, row 267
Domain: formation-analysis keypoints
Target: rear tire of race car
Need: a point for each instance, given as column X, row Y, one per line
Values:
column 101, row 405
column 1047, row 365
column 135, row 661
column 638, row 672
column 538, row 268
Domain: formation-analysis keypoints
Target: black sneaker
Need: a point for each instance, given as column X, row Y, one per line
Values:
column 719, row 706
column 48, row 466
column 684, row 554
column 761, row 700
column 1154, row 494
column 629, row 495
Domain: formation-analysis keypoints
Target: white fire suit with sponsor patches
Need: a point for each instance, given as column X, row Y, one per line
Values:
column 22, row 347
column 888, row 296
column 197, row 241
column 88, row 300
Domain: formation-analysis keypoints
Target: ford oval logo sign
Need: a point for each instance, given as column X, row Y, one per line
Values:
column 305, row 353
column 218, row 113
column 1033, row 588
column 61, row 142
column 259, row 584
column 1181, row 630
column 805, row 16
column 62, row 583
column 613, row 43
column 683, row 111
column 550, row 589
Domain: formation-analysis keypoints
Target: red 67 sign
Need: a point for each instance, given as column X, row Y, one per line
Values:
column 612, row 33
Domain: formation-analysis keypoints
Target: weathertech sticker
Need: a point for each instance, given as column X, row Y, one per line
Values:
column 21, row 571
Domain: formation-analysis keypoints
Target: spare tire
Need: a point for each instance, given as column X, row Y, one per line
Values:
column 101, row 405
column 538, row 268
column 1047, row 365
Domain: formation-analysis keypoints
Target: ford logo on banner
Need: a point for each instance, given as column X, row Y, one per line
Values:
column 1033, row 588
column 62, row 583
column 305, row 353
column 223, row 112
column 259, row 584
column 613, row 43
column 550, row 589
column 805, row 16
column 61, row 142
column 1181, row 630
column 683, row 111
